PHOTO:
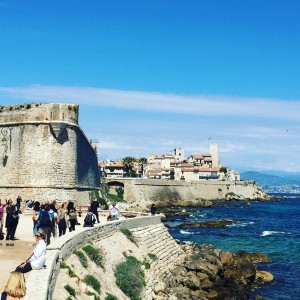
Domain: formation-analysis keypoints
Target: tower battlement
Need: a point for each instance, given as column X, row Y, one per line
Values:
column 35, row 112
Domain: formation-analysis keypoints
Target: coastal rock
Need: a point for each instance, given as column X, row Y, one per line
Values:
column 263, row 277
column 253, row 257
column 212, row 223
column 226, row 258
column 202, row 267
column 208, row 273
column 242, row 272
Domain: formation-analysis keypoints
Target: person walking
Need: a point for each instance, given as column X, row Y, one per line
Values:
column 62, row 220
column 12, row 220
column 36, row 213
column 45, row 222
column 2, row 206
column 94, row 208
column 72, row 216
column 18, row 203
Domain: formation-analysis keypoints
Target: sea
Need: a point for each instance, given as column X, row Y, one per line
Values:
column 271, row 228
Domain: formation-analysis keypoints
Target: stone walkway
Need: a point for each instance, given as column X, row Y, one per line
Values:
column 12, row 253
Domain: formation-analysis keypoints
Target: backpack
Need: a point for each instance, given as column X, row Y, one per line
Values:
column 88, row 220
column 53, row 217
column 45, row 220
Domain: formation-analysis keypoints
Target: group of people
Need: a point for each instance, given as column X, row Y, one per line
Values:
column 12, row 217
column 46, row 217
column 51, row 217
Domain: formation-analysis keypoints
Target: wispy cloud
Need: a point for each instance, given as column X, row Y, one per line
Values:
column 251, row 133
column 202, row 105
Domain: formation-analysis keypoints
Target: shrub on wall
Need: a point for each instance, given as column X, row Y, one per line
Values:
column 128, row 234
column 93, row 254
column 111, row 297
column 90, row 280
column 70, row 290
column 82, row 258
column 130, row 278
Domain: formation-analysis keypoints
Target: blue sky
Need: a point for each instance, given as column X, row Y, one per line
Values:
column 150, row 76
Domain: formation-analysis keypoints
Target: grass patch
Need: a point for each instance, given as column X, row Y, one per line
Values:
column 89, row 293
column 130, row 278
column 82, row 258
column 70, row 290
column 128, row 234
column 93, row 254
column 93, row 282
column 147, row 265
column 71, row 273
column 152, row 256
column 111, row 297
column 116, row 198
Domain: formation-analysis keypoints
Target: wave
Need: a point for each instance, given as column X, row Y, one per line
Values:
column 244, row 224
column 269, row 232
column 185, row 232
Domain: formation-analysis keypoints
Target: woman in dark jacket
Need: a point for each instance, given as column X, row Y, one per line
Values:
column 12, row 220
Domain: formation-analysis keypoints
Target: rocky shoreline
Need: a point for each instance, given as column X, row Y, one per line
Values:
column 209, row 273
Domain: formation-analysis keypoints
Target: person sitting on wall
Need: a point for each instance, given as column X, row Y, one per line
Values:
column 153, row 209
column 15, row 287
column 37, row 259
column 114, row 211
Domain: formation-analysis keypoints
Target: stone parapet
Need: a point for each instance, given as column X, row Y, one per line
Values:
column 41, row 283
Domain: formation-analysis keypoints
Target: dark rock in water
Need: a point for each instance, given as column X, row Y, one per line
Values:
column 212, row 223
column 253, row 257
column 208, row 273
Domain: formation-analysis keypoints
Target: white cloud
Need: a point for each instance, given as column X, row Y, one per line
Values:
column 254, row 133
column 203, row 105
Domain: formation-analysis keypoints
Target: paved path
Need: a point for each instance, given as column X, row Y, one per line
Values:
column 12, row 253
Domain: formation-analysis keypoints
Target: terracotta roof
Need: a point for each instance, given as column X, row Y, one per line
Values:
column 208, row 169
column 187, row 170
column 186, row 165
column 197, row 156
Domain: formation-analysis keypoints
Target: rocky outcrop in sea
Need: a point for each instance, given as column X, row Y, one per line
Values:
column 209, row 273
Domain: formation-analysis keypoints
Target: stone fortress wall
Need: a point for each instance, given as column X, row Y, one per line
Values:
column 44, row 155
column 152, row 190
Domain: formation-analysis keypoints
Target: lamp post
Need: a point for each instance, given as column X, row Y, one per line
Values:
column 4, row 132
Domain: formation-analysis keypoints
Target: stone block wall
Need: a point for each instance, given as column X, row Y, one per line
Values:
column 46, row 160
column 156, row 240
column 153, row 190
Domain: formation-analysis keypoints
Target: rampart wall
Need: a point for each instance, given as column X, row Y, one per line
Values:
column 150, row 233
column 153, row 190
column 45, row 155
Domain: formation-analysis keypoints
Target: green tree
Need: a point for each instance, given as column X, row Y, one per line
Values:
column 142, row 162
column 128, row 163
column 223, row 170
column 104, row 189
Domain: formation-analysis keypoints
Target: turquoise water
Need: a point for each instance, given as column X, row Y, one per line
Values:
column 271, row 228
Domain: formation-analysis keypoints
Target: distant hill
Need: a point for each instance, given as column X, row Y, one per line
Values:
column 285, row 182
column 270, row 179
